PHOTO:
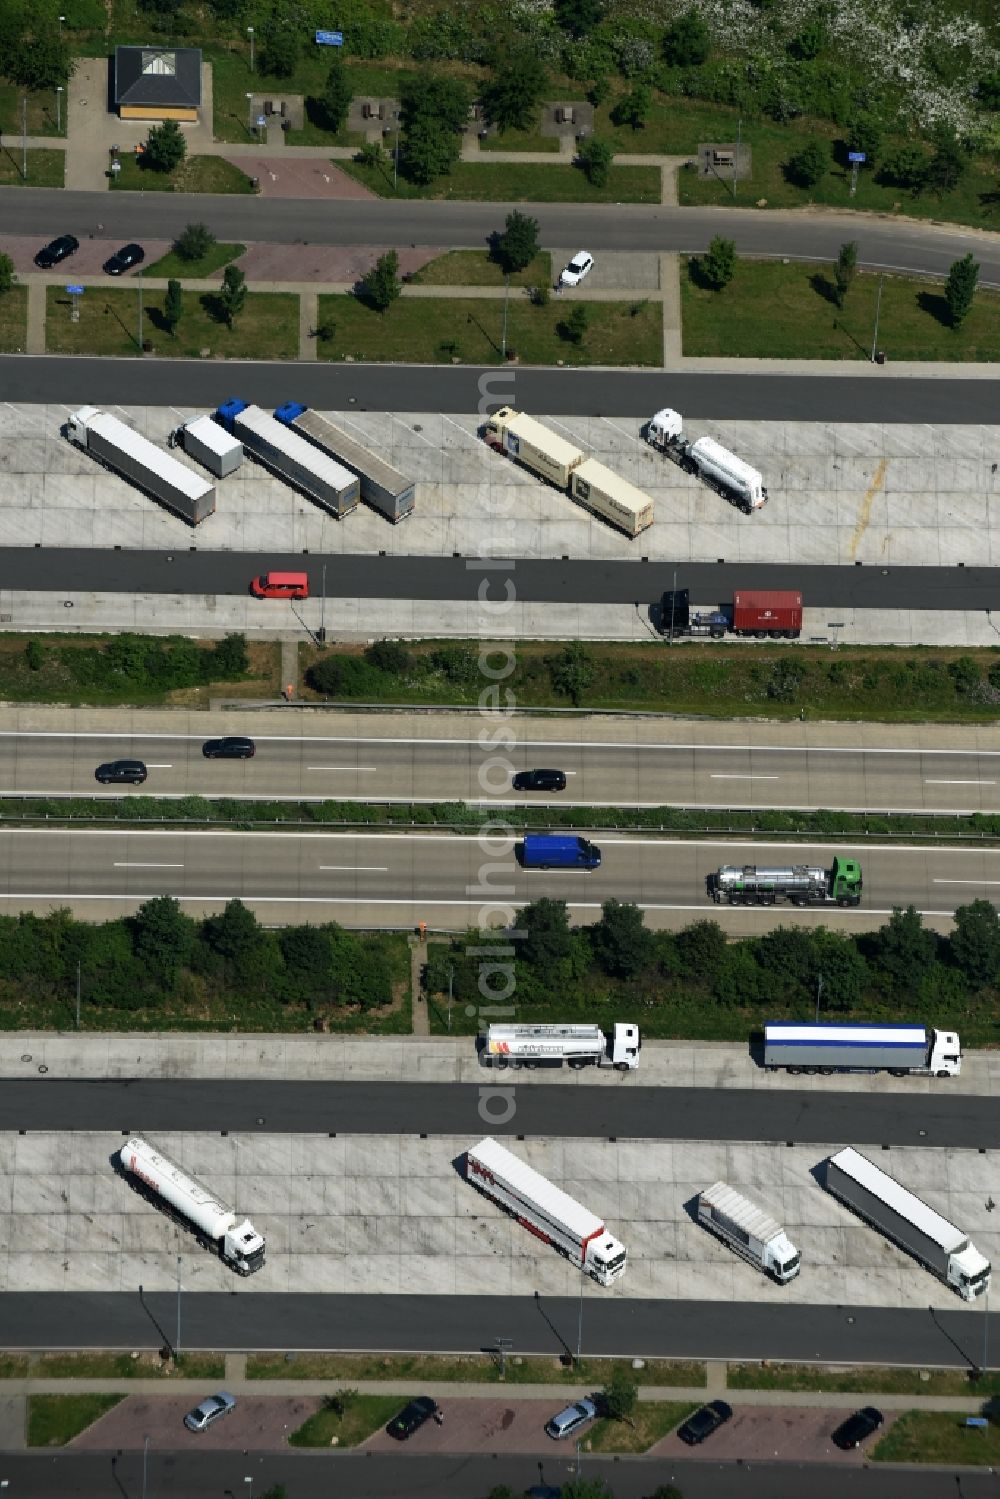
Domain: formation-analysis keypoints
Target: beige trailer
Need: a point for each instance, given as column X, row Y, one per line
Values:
column 542, row 451
column 611, row 497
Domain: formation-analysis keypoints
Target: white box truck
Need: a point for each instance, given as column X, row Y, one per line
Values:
column 881, row 1201
column 545, row 1211
column 901, row 1050
column 579, row 1045
column 612, row 498
column 217, row 450
column 715, row 464
column 216, row 1225
column 134, row 457
column 748, row 1230
column 531, row 443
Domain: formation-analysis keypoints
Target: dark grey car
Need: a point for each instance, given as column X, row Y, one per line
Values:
column 127, row 772
column 232, row 747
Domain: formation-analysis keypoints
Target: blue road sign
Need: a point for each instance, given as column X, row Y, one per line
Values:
column 75, row 291
column 856, row 156
column 329, row 38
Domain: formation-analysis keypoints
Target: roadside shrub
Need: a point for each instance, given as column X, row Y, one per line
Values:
column 389, row 656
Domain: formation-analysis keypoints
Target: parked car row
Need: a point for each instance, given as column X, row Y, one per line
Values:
column 134, row 772
column 64, row 245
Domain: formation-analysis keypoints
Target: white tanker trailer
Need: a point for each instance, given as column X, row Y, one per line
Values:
column 215, row 1224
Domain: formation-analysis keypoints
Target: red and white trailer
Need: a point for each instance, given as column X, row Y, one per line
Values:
column 546, row 1211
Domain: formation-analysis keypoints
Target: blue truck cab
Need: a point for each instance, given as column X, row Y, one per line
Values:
column 548, row 851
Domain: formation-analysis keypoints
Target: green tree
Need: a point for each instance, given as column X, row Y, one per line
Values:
column 574, row 325
column 903, row 948
column 949, row 163
column 162, row 937
column 718, row 265
column 633, row 108
column 988, row 89
column 307, row 954
column 511, row 97
column 41, row 61
column 7, row 276
column 278, row 1490
column 334, row 103
column 847, row 265
column 810, row 41
column 428, row 150
column 389, row 655
column 807, row 166
column 960, row 289
column 621, row 1396
column 434, row 96
column 864, row 133
column 586, row 1488
column 975, row 942
column 381, row 285
column 517, row 246
column 702, row 948
column 687, row 41
column 371, row 154
column 34, row 654
column 662, row 1491
column 232, row 294
column 166, row 147
column 842, row 968
column 620, row 941
column 787, row 955
column 173, row 305
column 234, row 933
column 230, row 659
column 281, row 51
column 595, row 157
column 578, row 17
column 907, row 167
column 194, row 242
column 548, row 937
column 571, row 671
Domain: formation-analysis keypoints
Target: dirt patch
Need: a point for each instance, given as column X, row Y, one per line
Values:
column 300, row 177
column 334, row 265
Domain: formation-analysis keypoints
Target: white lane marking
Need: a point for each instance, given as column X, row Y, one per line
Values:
column 959, row 783
column 151, row 765
column 966, row 882
column 354, row 868
column 125, row 864
column 724, row 775
column 361, row 769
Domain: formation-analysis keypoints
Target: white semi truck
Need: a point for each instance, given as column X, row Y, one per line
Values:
column 752, row 1233
column 716, row 465
column 881, row 1201
column 901, row 1050
column 134, row 457
column 579, row 1045
column 215, row 1224
column 546, row 1211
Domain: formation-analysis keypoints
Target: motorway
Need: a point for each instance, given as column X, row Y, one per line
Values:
column 69, row 570
column 934, row 1117
column 317, row 767
column 395, row 879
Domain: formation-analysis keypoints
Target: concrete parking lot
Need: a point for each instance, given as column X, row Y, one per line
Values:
column 768, row 1434
column 259, row 1422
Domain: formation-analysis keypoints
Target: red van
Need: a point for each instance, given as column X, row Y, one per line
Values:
column 281, row 586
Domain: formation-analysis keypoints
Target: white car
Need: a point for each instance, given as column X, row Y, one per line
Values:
column 580, row 266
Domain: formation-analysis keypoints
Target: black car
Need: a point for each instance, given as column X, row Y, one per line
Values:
column 56, row 250
column 857, row 1428
column 411, row 1417
column 540, row 780
column 701, row 1425
column 233, row 747
column 127, row 257
column 132, row 772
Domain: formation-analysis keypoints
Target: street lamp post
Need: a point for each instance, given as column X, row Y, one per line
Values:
column 139, row 280
column 819, row 994
column 395, row 154
column 506, row 300
column 878, row 306
column 451, row 975
column 145, row 1459
column 322, row 610
column 24, row 136
column 250, row 113
column 59, row 94
column 579, row 1325
column 177, row 1344
column 250, row 35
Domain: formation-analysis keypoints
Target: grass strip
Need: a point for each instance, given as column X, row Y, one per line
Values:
column 365, row 1415
column 478, row 268
column 125, row 1366
column 109, row 324
column 54, row 1420
column 172, row 264
column 875, row 1380
column 14, row 320
column 352, row 1368
column 515, row 182
column 941, row 1438
column 652, row 1421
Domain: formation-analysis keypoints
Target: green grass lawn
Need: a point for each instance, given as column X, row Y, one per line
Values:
column 267, row 328
column 196, row 174
column 866, row 1381
column 54, row 1420
column 516, row 182
column 476, row 268
column 45, row 168
column 652, row 1421
column 13, row 1365
column 775, row 311
column 41, row 117
column 349, row 1369
column 519, row 140
column 232, row 81
column 171, row 264
column 674, row 128
column 14, row 320
column 939, row 1437
column 124, row 1366
column 367, row 1415
column 421, row 331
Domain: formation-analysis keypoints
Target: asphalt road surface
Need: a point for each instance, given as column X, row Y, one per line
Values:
column 890, row 243
column 395, row 879
column 873, row 395
column 819, row 1115
column 66, row 570
column 467, row 1324
column 221, row 1475
column 316, row 767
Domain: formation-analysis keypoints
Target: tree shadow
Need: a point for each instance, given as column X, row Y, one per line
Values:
column 155, row 316
column 824, row 287
column 696, row 275
column 215, row 307
column 936, row 307
column 990, row 199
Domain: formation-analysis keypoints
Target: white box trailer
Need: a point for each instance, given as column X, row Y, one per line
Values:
column 753, row 1234
column 126, row 452
column 546, row 1211
column 215, row 448
column 612, row 498
column 289, row 455
column 531, row 443
column 216, row 1224
column 881, row 1201
column 902, row 1050
column 579, row 1045
column 384, row 488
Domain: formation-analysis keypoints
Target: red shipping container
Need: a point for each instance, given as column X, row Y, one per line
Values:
column 767, row 610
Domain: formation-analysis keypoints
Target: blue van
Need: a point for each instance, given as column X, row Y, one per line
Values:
column 547, row 851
